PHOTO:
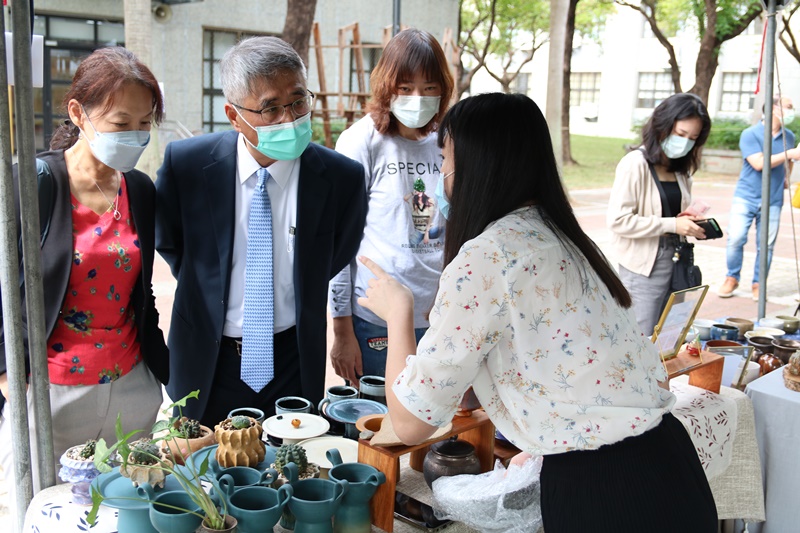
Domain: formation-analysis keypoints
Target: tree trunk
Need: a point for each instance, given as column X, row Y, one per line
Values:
column 555, row 74
column 566, row 146
column 706, row 66
column 297, row 28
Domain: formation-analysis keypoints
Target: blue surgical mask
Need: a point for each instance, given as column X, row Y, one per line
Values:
column 285, row 141
column 676, row 146
column 441, row 195
column 119, row 150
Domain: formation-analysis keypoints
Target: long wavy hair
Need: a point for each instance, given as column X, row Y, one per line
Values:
column 660, row 125
column 97, row 80
column 499, row 168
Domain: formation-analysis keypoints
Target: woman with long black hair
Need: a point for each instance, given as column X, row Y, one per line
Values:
column 530, row 314
column 657, row 175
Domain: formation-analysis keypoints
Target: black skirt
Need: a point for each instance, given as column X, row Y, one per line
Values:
column 650, row 483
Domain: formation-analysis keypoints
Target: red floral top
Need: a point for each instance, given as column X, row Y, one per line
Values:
column 94, row 340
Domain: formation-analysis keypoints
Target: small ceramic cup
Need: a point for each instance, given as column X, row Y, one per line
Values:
column 703, row 327
column 724, row 332
column 335, row 394
column 292, row 404
column 252, row 412
column 373, row 388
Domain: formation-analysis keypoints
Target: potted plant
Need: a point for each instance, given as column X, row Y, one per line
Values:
column 240, row 442
column 77, row 467
column 147, row 456
column 192, row 436
column 294, row 453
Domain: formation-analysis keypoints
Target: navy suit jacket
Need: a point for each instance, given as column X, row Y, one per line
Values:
column 195, row 194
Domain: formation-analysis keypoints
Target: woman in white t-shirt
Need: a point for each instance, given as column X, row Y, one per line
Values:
column 533, row 318
column 396, row 144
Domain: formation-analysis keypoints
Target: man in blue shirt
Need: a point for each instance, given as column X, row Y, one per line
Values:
column 746, row 205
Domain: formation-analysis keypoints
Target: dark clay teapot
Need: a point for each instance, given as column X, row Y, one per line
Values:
column 449, row 458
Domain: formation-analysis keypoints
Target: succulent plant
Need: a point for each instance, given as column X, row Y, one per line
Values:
column 145, row 452
column 291, row 453
column 240, row 422
column 87, row 452
column 190, row 429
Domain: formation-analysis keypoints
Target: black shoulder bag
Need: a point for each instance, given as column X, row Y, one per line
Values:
column 685, row 274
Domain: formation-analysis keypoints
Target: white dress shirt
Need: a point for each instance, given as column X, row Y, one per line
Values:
column 282, row 190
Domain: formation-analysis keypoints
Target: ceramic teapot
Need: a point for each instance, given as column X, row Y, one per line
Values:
column 449, row 458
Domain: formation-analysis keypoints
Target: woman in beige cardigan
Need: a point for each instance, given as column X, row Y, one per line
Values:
column 644, row 234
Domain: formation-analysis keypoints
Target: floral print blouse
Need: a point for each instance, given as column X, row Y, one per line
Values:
column 94, row 340
column 556, row 363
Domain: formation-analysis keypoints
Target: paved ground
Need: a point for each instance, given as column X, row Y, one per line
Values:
column 590, row 207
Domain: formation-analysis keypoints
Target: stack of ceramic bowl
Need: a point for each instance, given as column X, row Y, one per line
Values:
column 742, row 324
column 790, row 324
column 763, row 331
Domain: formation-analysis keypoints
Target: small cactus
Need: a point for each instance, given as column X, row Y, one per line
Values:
column 145, row 452
column 87, row 452
column 190, row 429
column 291, row 453
column 240, row 422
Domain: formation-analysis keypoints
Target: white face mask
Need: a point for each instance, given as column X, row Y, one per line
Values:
column 676, row 146
column 119, row 150
column 415, row 111
column 788, row 117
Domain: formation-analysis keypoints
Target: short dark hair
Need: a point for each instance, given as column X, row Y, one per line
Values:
column 501, row 167
column 660, row 125
column 97, row 80
column 407, row 53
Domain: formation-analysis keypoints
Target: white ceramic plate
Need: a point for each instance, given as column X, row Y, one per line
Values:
column 775, row 333
column 281, row 426
column 317, row 447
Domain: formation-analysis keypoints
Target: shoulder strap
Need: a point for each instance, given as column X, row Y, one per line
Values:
column 665, row 211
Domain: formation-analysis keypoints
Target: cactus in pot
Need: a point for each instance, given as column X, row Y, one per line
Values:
column 190, row 436
column 143, row 464
column 239, row 441
column 294, row 453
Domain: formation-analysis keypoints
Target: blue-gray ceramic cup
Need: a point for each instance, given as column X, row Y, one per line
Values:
column 335, row 394
column 724, row 332
column 258, row 509
column 174, row 512
column 292, row 404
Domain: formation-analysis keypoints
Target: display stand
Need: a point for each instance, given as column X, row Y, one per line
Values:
column 477, row 429
column 704, row 371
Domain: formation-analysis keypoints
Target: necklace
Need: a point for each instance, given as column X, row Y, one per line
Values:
column 112, row 206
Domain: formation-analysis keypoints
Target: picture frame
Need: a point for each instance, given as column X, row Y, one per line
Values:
column 746, row 354
column 676, row 320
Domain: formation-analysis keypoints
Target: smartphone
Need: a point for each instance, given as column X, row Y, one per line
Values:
column 710, row 226
column 416, row 513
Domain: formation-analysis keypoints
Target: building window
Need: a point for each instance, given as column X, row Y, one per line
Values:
column 215, row 44
column 738, row 91
column 653, row 88
column 584, row 88
column 67, row 41
column 521, row 82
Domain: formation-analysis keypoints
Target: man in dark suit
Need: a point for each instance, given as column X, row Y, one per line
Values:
column 240, row 343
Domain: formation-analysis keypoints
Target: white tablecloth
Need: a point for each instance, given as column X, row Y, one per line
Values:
column 777, row 411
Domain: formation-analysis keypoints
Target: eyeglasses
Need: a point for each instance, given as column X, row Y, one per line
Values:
column 274, row 114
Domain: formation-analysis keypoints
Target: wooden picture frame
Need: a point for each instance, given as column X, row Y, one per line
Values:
column 676, row 320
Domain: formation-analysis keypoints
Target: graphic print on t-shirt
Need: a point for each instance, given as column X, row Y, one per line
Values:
column 426, row 236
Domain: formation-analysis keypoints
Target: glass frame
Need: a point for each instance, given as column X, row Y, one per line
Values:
column 676, row 320
column 746, row 353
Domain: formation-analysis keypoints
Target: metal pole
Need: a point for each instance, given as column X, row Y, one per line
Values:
column 29, row 214
column 766, row 171
column 16, row 408
column 396, row 18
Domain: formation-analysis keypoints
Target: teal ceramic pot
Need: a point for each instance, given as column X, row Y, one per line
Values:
column 353, row 515
column 314, row 501
column 244, row 476
column 170, row 520
column 258, row 509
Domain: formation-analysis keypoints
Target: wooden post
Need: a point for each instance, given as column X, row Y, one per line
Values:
column 323, row 86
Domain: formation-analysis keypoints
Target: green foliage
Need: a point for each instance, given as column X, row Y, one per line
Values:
column 590, row 18
column 597, row 157
column 240, row 422
column 291, row 453
column 338, row 125
column 88, row 449
column 725, row 133
column 189, row 477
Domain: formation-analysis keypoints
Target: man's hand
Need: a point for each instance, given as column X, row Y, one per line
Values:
column 345, row 351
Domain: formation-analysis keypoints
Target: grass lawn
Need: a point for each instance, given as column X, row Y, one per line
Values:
column 597, row 159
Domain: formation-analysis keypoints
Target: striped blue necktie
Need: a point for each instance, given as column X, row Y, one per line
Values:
column 258, row 325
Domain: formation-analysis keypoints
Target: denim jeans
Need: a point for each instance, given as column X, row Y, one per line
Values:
column 372, row 341
column 743, row 212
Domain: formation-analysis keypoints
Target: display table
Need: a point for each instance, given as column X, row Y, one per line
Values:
column 777, row 426
column 52, row 510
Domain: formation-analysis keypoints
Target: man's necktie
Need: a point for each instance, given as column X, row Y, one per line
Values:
column 258, row 325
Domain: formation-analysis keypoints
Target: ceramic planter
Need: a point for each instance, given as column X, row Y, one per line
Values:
column 80, row 472
column 239, row 447
column 181, row 448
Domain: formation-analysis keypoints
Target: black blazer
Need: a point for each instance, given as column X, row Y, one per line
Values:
column 195, row 218
column 57, row 263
